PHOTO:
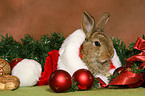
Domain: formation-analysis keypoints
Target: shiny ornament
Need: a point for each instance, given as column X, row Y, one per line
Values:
column 60, row 81
column 15, row 61
column 5, row 68
column 83, row 78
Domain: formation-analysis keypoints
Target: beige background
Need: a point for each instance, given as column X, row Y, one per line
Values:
column 39, row 17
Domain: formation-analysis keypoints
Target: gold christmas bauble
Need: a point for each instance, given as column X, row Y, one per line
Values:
column 9, row 82
column 5, row 68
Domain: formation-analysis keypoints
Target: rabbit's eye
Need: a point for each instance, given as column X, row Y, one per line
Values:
column 97, row 43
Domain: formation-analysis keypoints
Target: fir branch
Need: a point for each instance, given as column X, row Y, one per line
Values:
column 111, row 77
column 29, row 48
column 96, row 83
column 74, row 86
column 120, row 49
column 143, row 37
column 9, row 48
column 135, row 67
column 132, row 51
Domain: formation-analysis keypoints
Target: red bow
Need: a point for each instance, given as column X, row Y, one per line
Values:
column 129, row 78
column 140, row 44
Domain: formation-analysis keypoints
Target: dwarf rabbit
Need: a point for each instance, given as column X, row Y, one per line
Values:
column 97, row 49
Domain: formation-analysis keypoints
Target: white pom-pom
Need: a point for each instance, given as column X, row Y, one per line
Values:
column 28, row 71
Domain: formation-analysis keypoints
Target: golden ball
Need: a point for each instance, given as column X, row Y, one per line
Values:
column 5, row 68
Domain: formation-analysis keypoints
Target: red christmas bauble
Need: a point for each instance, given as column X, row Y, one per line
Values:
column 15, row 61
column 60, row 81
column 83, row 78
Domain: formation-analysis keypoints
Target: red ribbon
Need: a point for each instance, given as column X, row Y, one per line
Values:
column 140, row 44
column 129, row 78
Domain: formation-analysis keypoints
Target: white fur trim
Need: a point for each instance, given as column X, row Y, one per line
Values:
column 116, row 62
column 104, row 78
column 28, row 71
column 69, row 59
column 111, row 71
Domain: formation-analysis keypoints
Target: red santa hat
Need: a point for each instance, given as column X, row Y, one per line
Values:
column 27, row 70
column 68, row 58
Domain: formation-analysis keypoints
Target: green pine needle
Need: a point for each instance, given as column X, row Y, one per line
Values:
column 135, row 67
column 120, row 49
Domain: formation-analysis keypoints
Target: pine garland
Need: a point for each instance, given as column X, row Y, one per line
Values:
column 29, row 48
column 122, row 51
column 38, row 50
column 135, row 67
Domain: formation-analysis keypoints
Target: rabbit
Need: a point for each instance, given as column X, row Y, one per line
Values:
column 97, row 50
column 93, row 46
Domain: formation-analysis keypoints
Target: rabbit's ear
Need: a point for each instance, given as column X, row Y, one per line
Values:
column 102, row 22
column 88, row 24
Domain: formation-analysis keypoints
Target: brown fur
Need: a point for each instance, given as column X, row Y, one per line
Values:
column 97, row 58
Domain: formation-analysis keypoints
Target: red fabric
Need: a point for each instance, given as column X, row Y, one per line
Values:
column 112, row 66
column 128, row 78
column 50, row 66
column 80, row 53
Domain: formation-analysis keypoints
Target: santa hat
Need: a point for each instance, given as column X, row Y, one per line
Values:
column 28, row 71
column 69, row 57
